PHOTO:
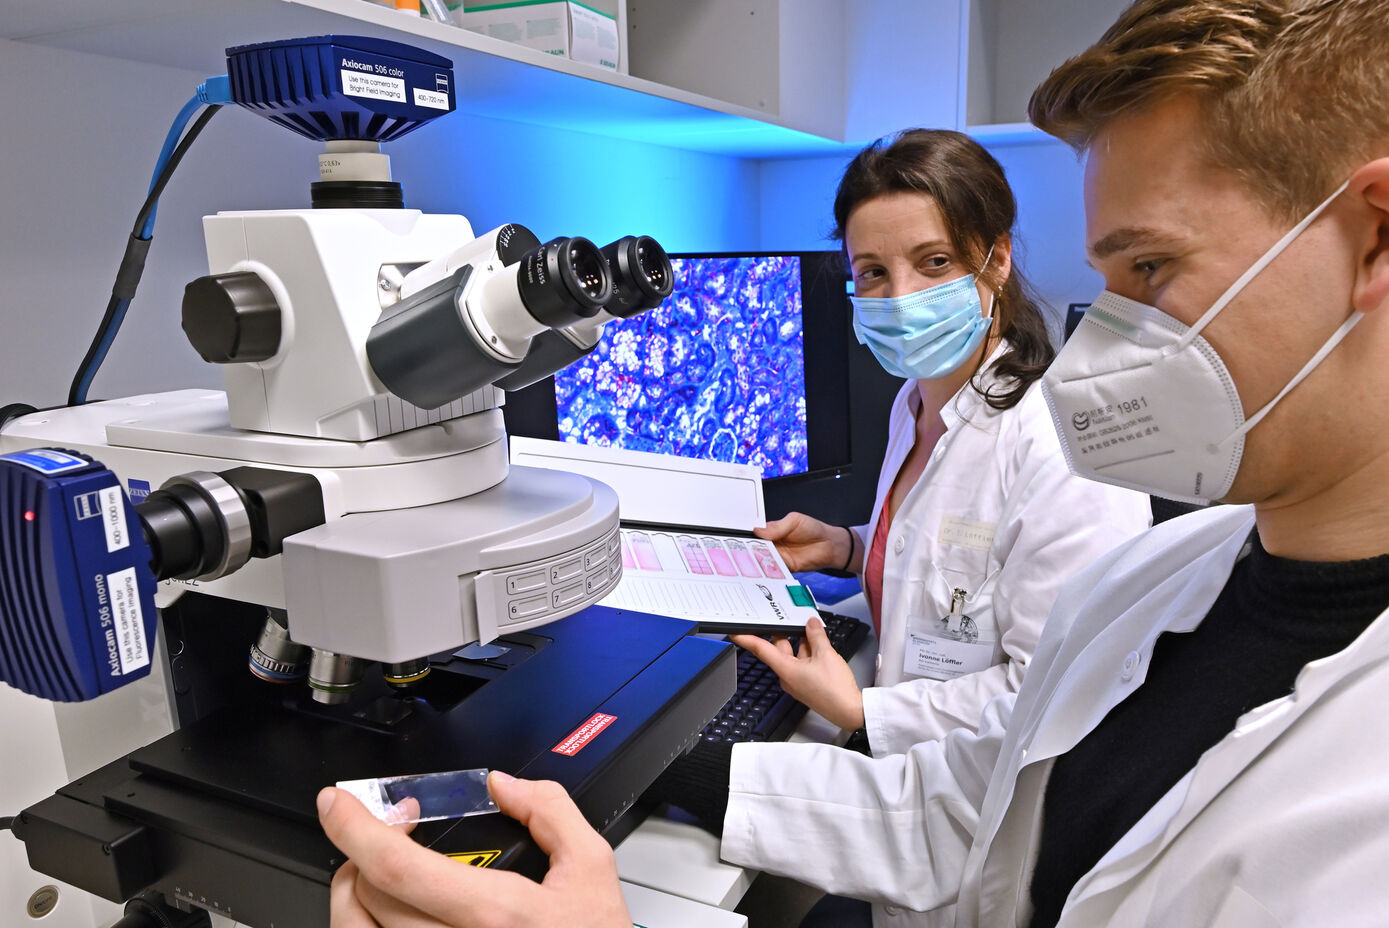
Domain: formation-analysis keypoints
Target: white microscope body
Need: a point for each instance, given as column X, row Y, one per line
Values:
column 352, row 481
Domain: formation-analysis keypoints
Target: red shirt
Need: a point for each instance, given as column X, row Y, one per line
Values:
column 873, row 570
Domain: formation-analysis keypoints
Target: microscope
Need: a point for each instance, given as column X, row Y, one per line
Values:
column 329, row 571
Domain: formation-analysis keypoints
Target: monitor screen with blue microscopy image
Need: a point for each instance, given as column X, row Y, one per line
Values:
column 717, row 372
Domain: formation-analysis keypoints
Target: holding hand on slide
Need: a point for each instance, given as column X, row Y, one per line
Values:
column 390, row 881
column 805, row 543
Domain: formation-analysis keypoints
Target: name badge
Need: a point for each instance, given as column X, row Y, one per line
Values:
column 948, row 647
column 967, row 533
column 941, row 658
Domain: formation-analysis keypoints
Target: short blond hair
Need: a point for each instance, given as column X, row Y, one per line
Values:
column 1294, row 92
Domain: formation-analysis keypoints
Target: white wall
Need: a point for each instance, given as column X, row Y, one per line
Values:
column 813, row 84
column 797, row 196
column 797, row 201
column 560, row 182
column 1023, row 40
column 80, row 140
column 1046, row 179
column 725, row 49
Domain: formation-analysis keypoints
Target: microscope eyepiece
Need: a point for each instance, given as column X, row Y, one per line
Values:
column 654, row 265
column 564, row 281
column 641, row 273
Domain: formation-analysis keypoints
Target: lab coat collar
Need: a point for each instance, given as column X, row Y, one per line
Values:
column 967, row 401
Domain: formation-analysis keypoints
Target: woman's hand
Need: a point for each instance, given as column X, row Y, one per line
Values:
column 818, row 676
column 390, row 881
column 805, row 543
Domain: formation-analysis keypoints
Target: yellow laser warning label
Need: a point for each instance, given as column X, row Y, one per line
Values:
column 477, row 858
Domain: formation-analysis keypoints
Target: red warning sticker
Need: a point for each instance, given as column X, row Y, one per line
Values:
column 584, row 734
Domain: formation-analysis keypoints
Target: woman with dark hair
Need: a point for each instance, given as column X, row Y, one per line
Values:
column 978, row 520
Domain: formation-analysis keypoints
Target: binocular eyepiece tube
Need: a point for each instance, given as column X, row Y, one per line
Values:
column 459, row 334
column 642, row 279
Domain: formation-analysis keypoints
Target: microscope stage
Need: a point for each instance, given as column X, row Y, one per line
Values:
column 220, row 814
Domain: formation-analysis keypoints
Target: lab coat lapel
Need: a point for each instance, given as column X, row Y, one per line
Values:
column 901, row 440
column 1156, row 586
column 1254, row 733
column 1103, row 661
column 899, row 444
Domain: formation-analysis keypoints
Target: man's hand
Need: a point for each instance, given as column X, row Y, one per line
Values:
column 805, row 543
column 818, row 676
column 392, row 882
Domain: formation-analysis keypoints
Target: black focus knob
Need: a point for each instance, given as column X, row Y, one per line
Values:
column 231, row 318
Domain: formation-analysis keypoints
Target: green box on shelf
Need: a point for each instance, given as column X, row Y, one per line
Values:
column 584, row 32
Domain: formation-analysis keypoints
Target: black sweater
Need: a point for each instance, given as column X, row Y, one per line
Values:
column 1273, row 617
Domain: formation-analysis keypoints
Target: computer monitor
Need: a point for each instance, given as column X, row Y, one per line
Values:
column 746, row 361
column 1074, row 313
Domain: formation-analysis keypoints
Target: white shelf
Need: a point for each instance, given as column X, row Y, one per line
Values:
column 493, row 78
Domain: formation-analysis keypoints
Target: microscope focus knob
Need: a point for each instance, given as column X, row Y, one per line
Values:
column 231, row 318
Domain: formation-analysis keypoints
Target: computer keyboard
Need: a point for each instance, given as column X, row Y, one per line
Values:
column 760, row 710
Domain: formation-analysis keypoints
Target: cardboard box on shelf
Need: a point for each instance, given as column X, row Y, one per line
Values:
column 584, row 32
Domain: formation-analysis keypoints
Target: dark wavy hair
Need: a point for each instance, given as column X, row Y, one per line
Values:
column 974, row 198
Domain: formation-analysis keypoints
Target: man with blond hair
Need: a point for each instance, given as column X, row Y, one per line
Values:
column 1201, row 738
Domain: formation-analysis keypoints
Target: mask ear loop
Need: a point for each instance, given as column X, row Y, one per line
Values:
column 1301, row 375
column 1335, row 339
column 1234, row 289
column 993, row 294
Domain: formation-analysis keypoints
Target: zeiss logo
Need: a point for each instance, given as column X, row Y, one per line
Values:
column 88, row 506
column 139, row 489
column 1081, row 421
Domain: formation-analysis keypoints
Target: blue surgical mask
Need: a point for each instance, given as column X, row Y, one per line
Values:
column 923, row 335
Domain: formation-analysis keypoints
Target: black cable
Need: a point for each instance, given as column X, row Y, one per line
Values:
column 131, row 268
column 14, row 411
column 184, row 144
column 6, row 822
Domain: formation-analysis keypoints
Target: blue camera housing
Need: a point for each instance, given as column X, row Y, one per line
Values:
column 77, row 615
column 342, row 86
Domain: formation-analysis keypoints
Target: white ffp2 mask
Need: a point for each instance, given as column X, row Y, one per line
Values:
column 1142, row 401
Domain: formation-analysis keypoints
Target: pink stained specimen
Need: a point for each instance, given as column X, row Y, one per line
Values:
column 645, row 552
column 746, row 565
column 723, row 564
column 770, row 569
column 693, row 553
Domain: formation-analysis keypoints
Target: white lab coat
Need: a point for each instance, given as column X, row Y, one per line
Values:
column 1284, row 822
column 997, row 514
